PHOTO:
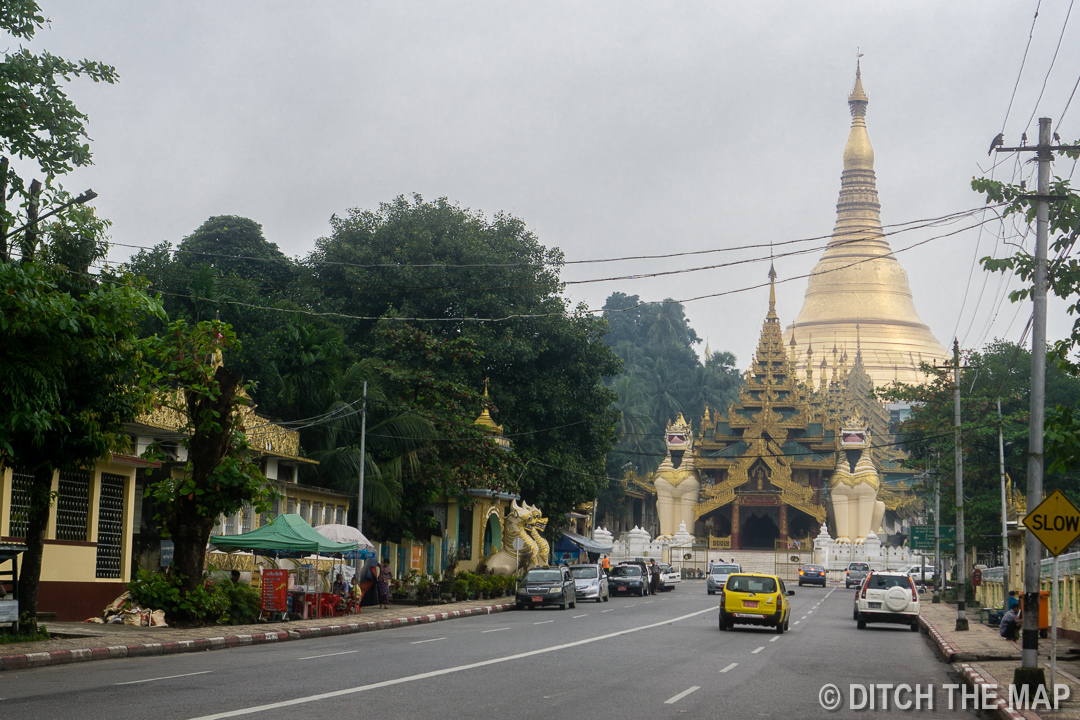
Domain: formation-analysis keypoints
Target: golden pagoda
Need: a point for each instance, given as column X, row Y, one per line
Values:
column 858, row 293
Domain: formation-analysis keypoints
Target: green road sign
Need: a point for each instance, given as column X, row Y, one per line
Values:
column 922, row 537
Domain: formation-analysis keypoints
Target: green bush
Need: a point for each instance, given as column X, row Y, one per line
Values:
column 220, row 602
column 461, row 587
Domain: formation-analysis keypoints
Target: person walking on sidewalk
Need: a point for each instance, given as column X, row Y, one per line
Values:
column 382, row 583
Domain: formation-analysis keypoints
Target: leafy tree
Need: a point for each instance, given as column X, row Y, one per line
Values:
column 1062, row 423
column 1000, row 368
column 220, row 476
column 70, row 361
column 445, row 266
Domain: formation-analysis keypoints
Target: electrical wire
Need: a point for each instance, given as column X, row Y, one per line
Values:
column 1023, row 62
column 1052, row 61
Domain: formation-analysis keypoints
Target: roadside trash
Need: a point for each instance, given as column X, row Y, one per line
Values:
column 122, row 611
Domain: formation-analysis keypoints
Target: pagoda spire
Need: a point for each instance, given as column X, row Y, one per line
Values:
column 858, row 288
column 772, row 292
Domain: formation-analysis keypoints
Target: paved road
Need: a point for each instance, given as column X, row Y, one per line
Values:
column 629, row 658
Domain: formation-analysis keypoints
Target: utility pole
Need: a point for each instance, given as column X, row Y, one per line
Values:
column 363, row 439
column 1004, row 513
column 961, row 577
column 938, row 562
column 1029, row 673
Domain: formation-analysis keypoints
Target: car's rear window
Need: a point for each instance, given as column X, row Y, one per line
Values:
column 626, row 571
column 543, row 576
column 746, row 583
column 884, row 582
column 725, row 569
column 813, row 567
column 583, row 572
column 859, row 566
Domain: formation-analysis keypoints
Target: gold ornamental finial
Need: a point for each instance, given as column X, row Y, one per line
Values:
column 772, row 292
column 858, row 99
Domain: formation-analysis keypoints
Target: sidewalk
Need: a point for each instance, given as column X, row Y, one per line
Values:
column 982, row 657
column 105, row 642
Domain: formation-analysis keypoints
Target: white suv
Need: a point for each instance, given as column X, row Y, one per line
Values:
column 888, row 597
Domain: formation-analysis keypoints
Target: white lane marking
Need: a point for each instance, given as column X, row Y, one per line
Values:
column 543, row 622
column 493, row 630
column 775, row 639
column 755, row 652
column 680, row 696
column 796, row 622
column 611, row 610
column 809, row 612
column 344, row 652
column 646, row 602
column 446, row 671
column 729, row 667
column 424, row 641
column 803, row 617
column 579, row 616
column 829, row 593
column 166, row 677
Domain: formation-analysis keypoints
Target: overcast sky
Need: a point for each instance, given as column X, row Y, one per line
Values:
column 611, row 128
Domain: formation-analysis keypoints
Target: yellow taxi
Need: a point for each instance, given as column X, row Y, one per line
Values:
column 755, row 599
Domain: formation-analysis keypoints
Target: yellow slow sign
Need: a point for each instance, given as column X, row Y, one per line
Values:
column 1055, row 522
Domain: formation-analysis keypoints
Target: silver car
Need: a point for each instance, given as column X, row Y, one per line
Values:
column 591, row 582
column 718, row 576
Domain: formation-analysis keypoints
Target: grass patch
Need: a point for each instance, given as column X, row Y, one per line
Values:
column 8, row 638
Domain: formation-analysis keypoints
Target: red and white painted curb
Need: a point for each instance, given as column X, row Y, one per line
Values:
column 973, row 675
column 23, row 661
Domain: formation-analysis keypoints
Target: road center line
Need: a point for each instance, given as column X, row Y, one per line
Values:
column 829, row 593
column 579, row 616
column 424, row 641
column 611, row 610
column 796, row 622
column 647, row 602
column 447, row 671
column 755, row 652
column 775, row 639
column 167, row 677
column 732, row 666
column 493, row 630
column 680, row 696
column 345, row 652
column 543, row 622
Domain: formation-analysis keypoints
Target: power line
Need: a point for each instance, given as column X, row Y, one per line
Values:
column 1023, row 62
column 1052, row 61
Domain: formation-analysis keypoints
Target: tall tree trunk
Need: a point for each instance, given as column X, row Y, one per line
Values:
column 30, row 237
column 3, row 209
column 189, row 528
column 37, row 523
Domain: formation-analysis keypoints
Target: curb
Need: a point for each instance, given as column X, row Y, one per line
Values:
column 974, row 676
column 25, row 661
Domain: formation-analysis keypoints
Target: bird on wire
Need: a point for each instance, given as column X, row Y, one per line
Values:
column 1057, row 138
column 997, row 142
column 1023, row 139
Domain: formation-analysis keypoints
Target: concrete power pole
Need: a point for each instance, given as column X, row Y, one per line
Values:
column 1029, row 673
column 1004, row 512
column 961, row 577
column 363, row 442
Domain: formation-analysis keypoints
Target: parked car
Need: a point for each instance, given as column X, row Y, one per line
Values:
column 916, row 573
column 547, row 586
column 856, row 572
column 812, row 575
column 755, row 599
column 628, row 579
column 669, row 577
column 889, row 597
column 592, row 582
column 718, row 575
column 646, row 570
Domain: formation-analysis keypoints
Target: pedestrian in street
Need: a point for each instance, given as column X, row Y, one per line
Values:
column 605, row 563
column 654, row 578
column 382, row 583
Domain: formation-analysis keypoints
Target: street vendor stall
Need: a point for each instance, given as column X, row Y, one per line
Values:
column 289, row 536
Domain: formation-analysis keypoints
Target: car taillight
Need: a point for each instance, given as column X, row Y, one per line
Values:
column 848, row 572
column 914, row 593
column 864, row 590
column 801, row 572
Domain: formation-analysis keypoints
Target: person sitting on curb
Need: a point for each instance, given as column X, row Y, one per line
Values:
column 1010, row 621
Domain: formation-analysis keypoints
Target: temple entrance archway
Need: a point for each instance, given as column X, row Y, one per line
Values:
column 759, row 530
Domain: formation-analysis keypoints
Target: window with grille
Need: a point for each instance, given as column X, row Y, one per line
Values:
column 316, row 514
column 291, row 505
column 230, row 524
column 21, row 481
column 110, row 526
column 245, row 519
column 73, row 505
column 339, row 515
column 305, row 511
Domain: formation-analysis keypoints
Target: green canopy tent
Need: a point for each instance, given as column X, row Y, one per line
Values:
column 287, row 535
